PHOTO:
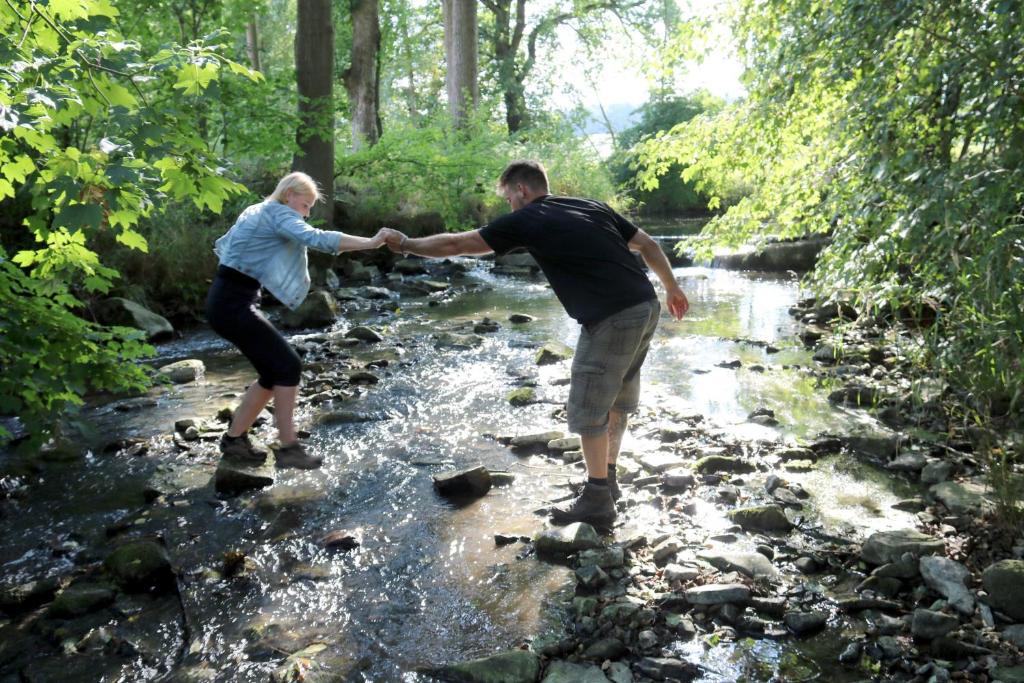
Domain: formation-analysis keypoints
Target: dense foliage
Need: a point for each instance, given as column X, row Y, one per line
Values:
column 98, row 134
column 898, row 128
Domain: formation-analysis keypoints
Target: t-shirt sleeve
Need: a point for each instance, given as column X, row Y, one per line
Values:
column 502, row 235
column 625, row 226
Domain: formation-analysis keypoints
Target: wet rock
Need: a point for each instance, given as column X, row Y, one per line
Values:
column 553, row 352
column 517, row 666
column 761, row 518
column 520, row 318
column 409, row 266
column 356, row 271
column 753, row 565
column 928, row 625
column 936, row 472
column 232, row 478
column 857, row 395
column 946, row 578
column 591, row 577
column 289, row 497
column 718, row 594
column 319, row 309
column 80, row 599
column 908, row 462
column 531, row 441
column 611, row 557
column 665, row 668
column 658, row 461
column 681, row 625
column 887, row 586
column 606, row 648
column 571, row 443
column 563, row 541
column 666, row 550
column 909, row 505
column 341, row 539
column 676, row 572
column 365, row 333
column 850, row 654
column 523, row 396
column 486, row 326
column 471, row 482
column 805, row 623
column 141, row 566
column 118, row 311
column 26, row 596
column 1009, row 674
column 677, row 479
column 457, row 342
column 905, row 568
column 965, row 498
column 183, row 371
column 1004, row 583
column 1014, row 634
column 789, row 454
column 566, row 672
column 619, row 672
column 884, row 547
column 712, row 464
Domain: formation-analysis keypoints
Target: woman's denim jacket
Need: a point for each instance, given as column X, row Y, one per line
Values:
column 268, row 243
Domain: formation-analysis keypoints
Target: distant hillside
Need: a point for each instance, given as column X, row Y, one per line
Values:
column 621, row 115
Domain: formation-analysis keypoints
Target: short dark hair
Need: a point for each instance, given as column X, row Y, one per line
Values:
column 527, row 172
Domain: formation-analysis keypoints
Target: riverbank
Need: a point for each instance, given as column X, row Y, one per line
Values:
column 361, row 571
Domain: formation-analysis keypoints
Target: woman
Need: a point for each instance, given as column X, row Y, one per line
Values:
column 267, row 247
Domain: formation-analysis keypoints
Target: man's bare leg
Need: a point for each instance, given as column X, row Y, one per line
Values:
column 617, row 423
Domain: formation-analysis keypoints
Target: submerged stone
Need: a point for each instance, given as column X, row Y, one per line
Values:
column 141, row 566
column 517, row 666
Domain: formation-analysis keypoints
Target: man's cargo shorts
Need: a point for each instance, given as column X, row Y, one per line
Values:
column 606, row 367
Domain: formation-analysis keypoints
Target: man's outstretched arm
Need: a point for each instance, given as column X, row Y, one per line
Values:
column 655, row 259
column 446, row 244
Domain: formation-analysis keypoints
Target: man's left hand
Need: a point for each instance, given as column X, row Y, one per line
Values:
column 677, row 303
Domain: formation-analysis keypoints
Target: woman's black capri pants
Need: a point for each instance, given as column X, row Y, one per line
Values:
column 232, row 309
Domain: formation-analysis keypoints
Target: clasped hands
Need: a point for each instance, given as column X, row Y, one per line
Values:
column 394, row 239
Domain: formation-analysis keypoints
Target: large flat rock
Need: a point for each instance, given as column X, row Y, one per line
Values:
column 885, row 547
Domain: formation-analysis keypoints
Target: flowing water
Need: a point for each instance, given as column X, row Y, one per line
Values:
column 428, row 584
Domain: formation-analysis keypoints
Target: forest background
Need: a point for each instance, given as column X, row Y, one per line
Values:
column 134, row 132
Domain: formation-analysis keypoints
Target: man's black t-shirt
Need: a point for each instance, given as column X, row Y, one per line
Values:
column 580, row 245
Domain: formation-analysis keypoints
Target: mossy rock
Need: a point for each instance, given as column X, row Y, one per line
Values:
column 140, row 566
column 80, row 599
column 522, row 396
column 761, row 518
column 553, row 352
column 711, row 464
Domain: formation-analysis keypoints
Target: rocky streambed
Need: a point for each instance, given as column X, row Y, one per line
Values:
column 785, row 516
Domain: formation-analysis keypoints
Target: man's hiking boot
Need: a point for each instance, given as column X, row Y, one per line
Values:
column 594, row 506
column 241, row 450
column 295, row 455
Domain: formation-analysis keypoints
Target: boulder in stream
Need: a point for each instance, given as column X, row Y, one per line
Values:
column 886, row 547
column 141, row 566
column 468, row 483
column 566, row 672
column 318, row 310
column 183, row 371
column 753, row 565
column 365, row 333
column 232, row 478
column 1004, row 583
column 946, row 577
column 563, row 541
column 517, row 666
column 761, row 518
column 553, row 352
column 118, row 311
column 711, row 464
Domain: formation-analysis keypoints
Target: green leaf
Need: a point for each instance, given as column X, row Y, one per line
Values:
column 78, row 216
column 133, row 240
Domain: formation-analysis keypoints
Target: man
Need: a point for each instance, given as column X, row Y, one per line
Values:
column 583, row 247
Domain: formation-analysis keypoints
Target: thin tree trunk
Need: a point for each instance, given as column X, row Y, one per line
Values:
column 460, row 43
column 314, row 71
column 252, row 43
column 362, row 78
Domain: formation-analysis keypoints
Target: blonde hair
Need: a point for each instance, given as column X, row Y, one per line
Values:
column 297, row 182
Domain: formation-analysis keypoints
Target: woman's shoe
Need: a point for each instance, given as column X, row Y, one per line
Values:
column 294, row 455
column 242, row 450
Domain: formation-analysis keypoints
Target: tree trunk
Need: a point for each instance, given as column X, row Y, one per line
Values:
column 314, row 72
column 252, row 44
column 460, row 46
column 362, row 78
